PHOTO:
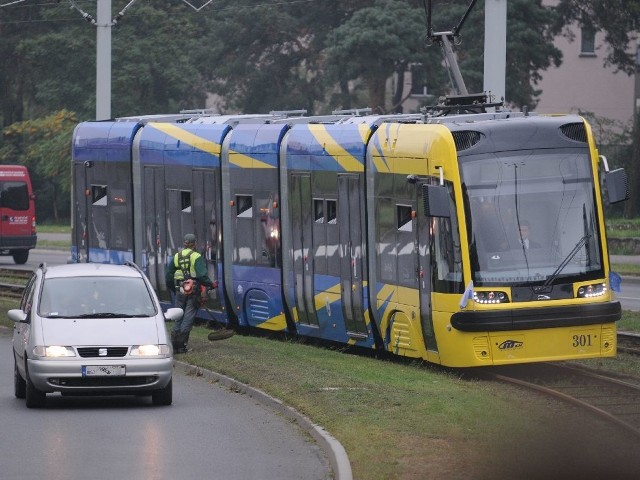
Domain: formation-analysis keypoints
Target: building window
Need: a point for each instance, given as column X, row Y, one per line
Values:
column 588, row 41
column 418, row 80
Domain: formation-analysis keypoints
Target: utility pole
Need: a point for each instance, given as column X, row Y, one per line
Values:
column 495, row 47
column 103, row 60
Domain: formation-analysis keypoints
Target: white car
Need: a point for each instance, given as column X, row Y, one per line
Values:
column 91, row 328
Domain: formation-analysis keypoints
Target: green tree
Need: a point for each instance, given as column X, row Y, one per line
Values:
column 43, row 146
column 268, row 55
column 376, row 42
column 157, row 53
column 16, row 79
column 158, row 59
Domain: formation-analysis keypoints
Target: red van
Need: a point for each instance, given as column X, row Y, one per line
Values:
column 17, row 213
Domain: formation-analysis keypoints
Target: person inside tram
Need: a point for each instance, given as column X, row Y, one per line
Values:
column 491, row 235
column 525, row 240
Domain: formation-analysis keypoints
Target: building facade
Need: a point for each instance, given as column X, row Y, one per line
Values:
column 583, row 84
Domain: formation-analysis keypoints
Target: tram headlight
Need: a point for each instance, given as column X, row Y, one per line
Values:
column 593, row 290
column 493, row 296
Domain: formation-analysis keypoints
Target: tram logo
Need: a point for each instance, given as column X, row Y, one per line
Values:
column 511, row 345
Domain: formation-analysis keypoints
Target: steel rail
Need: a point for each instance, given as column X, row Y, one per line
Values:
column 584, row 395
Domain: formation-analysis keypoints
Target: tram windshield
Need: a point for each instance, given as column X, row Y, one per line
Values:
column 531, row 217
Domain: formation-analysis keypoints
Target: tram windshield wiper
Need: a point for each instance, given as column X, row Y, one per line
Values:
column 581, row 243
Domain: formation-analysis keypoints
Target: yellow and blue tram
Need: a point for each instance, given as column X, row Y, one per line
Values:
column 463, row 240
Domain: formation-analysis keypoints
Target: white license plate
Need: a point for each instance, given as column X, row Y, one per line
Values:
column 103, row 370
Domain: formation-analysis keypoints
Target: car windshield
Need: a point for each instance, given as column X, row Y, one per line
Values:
column 77, row 297
column 531, row 217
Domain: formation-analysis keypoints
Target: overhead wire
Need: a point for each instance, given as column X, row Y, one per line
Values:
column 90, row 19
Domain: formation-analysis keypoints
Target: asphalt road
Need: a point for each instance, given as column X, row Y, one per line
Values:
column 209, row 432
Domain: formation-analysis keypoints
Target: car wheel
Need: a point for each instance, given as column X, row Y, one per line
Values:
column 20, row 256
column 164, row 396
column 20, row 386
column 34, row 397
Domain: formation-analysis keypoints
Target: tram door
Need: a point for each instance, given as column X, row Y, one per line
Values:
column 93, row 208
column 424, row 243
column 154, row 224
column 81, row 211
column 351, row 261
column 205, row 188
column 301, row 228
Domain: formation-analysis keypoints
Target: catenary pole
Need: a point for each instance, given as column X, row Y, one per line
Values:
column 103, row 60
column 495, row 47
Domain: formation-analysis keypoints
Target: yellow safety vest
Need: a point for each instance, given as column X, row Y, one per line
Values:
column 185, row 263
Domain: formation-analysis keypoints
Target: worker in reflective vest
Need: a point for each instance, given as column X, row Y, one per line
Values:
column 184, row 276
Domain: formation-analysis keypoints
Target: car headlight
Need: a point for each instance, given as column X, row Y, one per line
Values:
column 490, row 297
column 595, row 290
column 53, row 351
column 149, row 350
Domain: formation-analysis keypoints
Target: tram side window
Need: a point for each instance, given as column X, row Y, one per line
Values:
column 319, row 236
column 405, row 246
column 333, row 237
column 325, row 236
column 14, row 195
column 245, row 246
column 185, row 201
column 318, row 211
column 179, row 216
column 244, row 206
column 332, row 212
column 446, row 257
column 386, row 242
column 268, row 232
column 405, row 220
column 99, row 195
column 99, row 221
column 120, row 219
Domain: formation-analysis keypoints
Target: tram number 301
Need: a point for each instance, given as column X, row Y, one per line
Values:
column 581, row 341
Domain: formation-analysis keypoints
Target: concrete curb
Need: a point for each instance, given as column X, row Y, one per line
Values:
column 333, row 448
column 630, row 279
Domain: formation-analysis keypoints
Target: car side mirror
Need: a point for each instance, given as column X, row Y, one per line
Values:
column 174, row 314
column 617, row 185
column 436, row 201
column 17, row 315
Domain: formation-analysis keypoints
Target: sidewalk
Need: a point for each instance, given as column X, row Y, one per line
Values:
column 55, row 237
column 626, row 259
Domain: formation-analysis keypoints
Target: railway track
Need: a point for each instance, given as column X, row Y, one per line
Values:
column 13, row 281
column 616, row 399
column 629, row 342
